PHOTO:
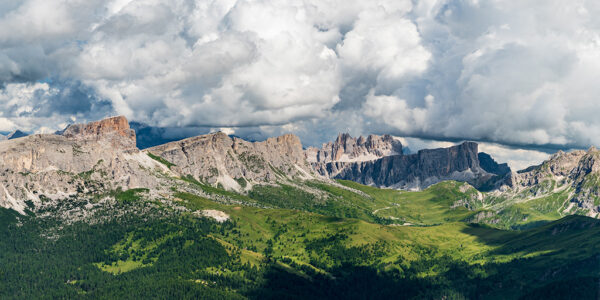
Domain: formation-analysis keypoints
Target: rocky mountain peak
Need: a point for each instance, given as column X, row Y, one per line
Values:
column 234, row 163
column 491, row 166
column 345, row 148
column 16, row 134
column 288, row 139
column 414, row 171
column 85, row 160
column 104, row 129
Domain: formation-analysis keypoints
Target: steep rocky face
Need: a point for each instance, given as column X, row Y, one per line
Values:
column 348, row 149
column 234, row 163
column 561, row 167
column 573, row 177
column 91, row 158
column 415, row 171
column 115, row 129
column 487, row 163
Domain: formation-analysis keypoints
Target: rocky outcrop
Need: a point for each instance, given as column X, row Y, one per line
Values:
column 86, row 159
column 234, row 163
column 415, row 171
column 561, row 167
column 487, row 163
column 573, row 177
column 348, row 149
column 115, row 129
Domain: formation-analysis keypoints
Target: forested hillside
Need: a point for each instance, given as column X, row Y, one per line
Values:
column 346, row 250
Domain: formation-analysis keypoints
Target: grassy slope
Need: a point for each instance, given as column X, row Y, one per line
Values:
column 443, row 255
column 520, row 257
column 428, row 207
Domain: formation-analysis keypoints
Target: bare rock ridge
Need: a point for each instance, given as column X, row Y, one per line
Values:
column 414, row 171
column 235, row 163
column 86, row 159
column 491, row 166
column 574, row 175
column 89, row 160
column 347, row 149
column 104, row 129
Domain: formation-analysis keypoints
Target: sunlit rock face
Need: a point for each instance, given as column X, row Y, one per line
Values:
column 348, row 149
column 235, row 163
column 414, row 171
column 83, row 160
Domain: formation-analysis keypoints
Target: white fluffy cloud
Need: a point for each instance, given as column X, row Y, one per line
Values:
column 518, row 72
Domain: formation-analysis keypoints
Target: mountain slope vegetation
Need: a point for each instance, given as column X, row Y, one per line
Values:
column 87, row 215
column 275, row 252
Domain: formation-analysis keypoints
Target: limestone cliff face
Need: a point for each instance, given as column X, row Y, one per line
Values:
column 234, row 163
column 576, row 175
column 347, row 149
column 115, row 129
column 95, row 157
column 415, row 171
column 491, row 166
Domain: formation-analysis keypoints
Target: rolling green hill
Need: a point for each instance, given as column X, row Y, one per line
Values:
column 298, row 240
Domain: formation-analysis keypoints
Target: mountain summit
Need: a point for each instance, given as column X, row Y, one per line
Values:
column 87, row 160
column 348, row 149
column 379, row 161
column 235, row 163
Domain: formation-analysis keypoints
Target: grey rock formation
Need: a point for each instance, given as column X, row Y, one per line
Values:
column 574, row 175
column 414, row 171
column 348, row 149
column 91, row 158
column 234, row 163
column 487, row 163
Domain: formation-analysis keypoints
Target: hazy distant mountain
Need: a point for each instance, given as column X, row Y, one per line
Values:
column 149, row 136
column 13, row 135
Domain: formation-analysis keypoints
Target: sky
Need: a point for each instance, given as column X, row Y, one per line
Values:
column 518, row 76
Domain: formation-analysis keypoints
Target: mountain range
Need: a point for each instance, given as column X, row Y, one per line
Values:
column 88, row 214
column 55, row 165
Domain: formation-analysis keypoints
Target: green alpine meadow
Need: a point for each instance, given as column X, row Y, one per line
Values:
column 217, row 217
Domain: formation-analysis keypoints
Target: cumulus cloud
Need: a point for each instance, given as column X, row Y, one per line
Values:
column 515, row 72
column 30, row 107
